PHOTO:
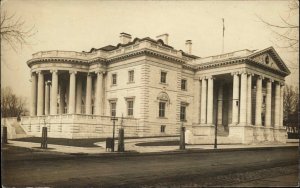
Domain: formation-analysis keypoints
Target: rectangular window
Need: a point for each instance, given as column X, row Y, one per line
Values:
column 183, row 84
column 131, row 76
column 130, row 108
column 113, row 110
column 162, row 107
column 163, row 77
column 162, row 128
column 114, row 79
column 182, row 113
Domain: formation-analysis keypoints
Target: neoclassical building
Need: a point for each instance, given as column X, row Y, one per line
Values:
column 153, row 88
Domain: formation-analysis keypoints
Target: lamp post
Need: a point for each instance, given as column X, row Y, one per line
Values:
column 113, row 138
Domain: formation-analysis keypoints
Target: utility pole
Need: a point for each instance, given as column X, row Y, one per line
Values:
column 113, row 138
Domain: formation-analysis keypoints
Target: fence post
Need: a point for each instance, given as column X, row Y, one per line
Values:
column 44, row 143
column 182, row 138
column 121, row 140
column 4, row 135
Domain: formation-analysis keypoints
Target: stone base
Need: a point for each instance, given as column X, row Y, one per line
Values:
column 268, row 134
column 241, row 134
column 258, row 133
column 201, row 134
column 280, row 134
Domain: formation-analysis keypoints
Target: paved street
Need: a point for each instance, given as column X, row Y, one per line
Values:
column 195, row 168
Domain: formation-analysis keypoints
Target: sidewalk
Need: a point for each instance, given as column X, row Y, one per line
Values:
column 130, row 145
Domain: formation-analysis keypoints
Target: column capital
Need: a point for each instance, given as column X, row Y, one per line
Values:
column 260, row 77
column 250, row 73
column 54, row 71
column 235, row 73
column 72, row 72
column 281, row 83
column 210, row 77
column 39, row 72
column 202, row 78
column 48, row 82
column 99, row 72
column 270, row 80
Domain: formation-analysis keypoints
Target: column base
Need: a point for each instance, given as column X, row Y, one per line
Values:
column 241, row 134
column 268, row 134
column 280, row 134
column 201, row 134
column 258, row 133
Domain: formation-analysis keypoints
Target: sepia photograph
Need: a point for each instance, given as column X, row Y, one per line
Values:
column 149, row 94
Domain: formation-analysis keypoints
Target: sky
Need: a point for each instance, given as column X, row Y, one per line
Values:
column 77, row 25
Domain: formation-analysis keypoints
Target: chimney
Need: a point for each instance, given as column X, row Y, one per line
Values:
column 188, row 44
column 164, row 38
column 125, row 38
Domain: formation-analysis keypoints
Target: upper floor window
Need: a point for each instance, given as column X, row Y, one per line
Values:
column 162, row 108
column 183, row 85
column 163, row 77
column 114, row 79
column 182, row 113
column 131, row 76
column 113, row 108
column 130, row 107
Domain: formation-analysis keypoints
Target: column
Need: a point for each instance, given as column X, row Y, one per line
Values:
column 220, row 105
column 78, row 95
column 258, row 101
column 235, row 98
column 268, row 103
column 249, row 100
column 277, row 105
column 203, row 100
column 98, row 97
column 197, row 91
column 62, row 98
column 88, row 99
column 281, row 104
column 53, row 104
column 243, row 101
column 47, row 97
column 210, row 101
column 72, row 92
column 40, row 100
column 33, row 94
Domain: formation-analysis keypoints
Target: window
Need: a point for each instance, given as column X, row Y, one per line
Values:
column 183, row 84
column 162, row 107
column 130, row 108
column 163, row 77
column 131, row 76
column 182, row 113
column 264, row 99
column 114, row 79
column 162, row 128
column 113, row 106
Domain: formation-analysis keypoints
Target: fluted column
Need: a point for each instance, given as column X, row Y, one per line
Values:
column 268, row 103
column 78, row 95
column 88, row 99
column 62, row 93
column 99, row 91
column 53, row 104
column 40, row 105
column 243, row 101
column 235, row 98
column 197, row 91
column 203, row 100
column 249, row 100
column 220, row 105
column 33, row 94
column 210, row 100
column 281, row 104
column 258, row 101
column 47, row 97
column 277, row 105
column 72, row 93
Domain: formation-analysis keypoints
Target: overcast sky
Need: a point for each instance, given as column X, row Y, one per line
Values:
column 81, row 25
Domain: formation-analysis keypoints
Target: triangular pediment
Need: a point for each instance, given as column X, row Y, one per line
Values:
column 270, row 58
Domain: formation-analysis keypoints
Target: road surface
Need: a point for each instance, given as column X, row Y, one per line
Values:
column 187, row 169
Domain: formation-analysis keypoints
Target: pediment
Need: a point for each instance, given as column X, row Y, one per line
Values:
column 270, row 58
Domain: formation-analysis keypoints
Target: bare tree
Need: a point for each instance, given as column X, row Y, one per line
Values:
column 291, row 107
column 14, row 31
column 287, row 33
column 12, row 105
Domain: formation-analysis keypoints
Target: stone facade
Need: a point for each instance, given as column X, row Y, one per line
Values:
column 153, row 88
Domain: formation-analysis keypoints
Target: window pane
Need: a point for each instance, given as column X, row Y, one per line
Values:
column 130, row 108
column 114, row 79
column 183, row 84
column 182, row 113
column 113, row 109
column 131, row 76
column 163, row 77
column 162, row 109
